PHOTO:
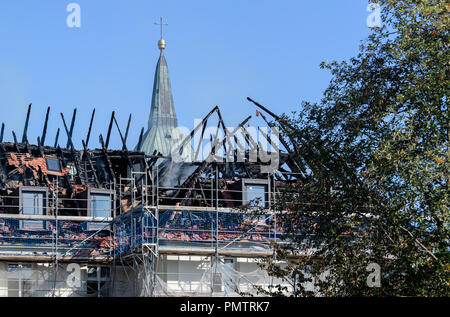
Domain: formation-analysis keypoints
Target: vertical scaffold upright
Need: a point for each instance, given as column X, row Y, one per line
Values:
column 143, row 255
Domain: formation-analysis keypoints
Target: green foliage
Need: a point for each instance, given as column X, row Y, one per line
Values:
column 373, row 164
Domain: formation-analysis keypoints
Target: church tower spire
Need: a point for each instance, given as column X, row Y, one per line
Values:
column 162, row 133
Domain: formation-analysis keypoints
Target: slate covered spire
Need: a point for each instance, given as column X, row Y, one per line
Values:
column 162, row 133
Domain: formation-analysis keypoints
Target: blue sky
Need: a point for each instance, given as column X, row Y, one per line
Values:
column 219, row 52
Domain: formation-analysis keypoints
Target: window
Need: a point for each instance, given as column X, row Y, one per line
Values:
column 53, row 165
column 97, row 279
column 99, row 207
column 20, row 280
column 229, row 263
column 32, row 202
column 256, row 191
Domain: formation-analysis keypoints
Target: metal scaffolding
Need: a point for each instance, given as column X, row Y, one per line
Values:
column 138, row 233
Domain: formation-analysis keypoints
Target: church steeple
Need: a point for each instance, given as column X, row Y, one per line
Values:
column 162, row 133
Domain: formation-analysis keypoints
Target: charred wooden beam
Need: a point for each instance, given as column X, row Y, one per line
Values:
column 285, row 126
column 16, row 144
column 108, row 135
column 88, row 156
column 138, row 147
column 191, row 135
column 202, row 192
column 276, row 117
column 200, row 142
column 25, row 129
column 124, row 146
column 78, row 167
column 222, row 123
column 70, row 133
column 239, row 153
column 61, row 155
column 293, row 165
column 253, row 146
column 126, row 132
column 69, row 138
column 125, row 150
column 44, row 131
column 64, row 164
column 56, row 138
column 2, row 132
column 2, row 165
column 269, row 139
column 191, row 179
column 108, row 161
column 154, row 157
column 90, row 129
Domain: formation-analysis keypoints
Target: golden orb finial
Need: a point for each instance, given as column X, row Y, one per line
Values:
column 161, row 44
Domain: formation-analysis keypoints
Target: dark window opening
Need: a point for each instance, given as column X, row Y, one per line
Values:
column 53, row 165
column 97, row 281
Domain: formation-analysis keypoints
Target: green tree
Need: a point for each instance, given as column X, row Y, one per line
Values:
column 372, row 161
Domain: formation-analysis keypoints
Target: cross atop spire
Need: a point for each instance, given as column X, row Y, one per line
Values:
column 162, row 25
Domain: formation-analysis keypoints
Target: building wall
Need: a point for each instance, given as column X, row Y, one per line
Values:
column 193, row 275
column 38, row 280
column 3, row 279
column 177, row 276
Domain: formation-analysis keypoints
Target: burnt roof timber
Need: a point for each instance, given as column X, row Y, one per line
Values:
column 285, row 126
column 69, row 137
column 222, row 123
column 191, row 135
column 290, row 162
column 108, row 135
column 2, row 132
column 72, row 124
column 138, row 147
column 249, row 139
column 64, row 163
column 25, row 129
column 108, row 161
column 56, row 138
column 190, row 181
column 124, row 145
column 124, row 152
column 293, row 164
column 15, row 141
column 2, row 171
column 44, row 130
column 126, row 132
column 90, row 128
column 88, row 155
column 200, row 143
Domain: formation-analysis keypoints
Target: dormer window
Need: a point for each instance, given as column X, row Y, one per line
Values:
column 100, row 206
column 256, row 191
column 53, row 165
column 33, row 202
